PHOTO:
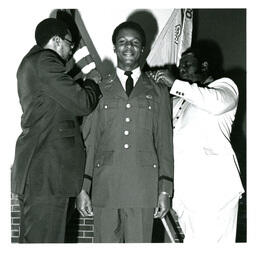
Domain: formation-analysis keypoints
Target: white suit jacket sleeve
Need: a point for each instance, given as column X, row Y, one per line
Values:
column 218, row 97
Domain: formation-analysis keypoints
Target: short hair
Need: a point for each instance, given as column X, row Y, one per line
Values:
column 130, row 25
column 48, row 28
column 207, row 51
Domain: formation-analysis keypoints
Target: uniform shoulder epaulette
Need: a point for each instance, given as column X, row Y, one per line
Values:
column 108, row 79
column 148, row 74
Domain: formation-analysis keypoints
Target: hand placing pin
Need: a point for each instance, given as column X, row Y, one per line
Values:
column 164, row 76
column 94, row 75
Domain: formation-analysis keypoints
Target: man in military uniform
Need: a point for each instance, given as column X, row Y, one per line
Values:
column 129, row 148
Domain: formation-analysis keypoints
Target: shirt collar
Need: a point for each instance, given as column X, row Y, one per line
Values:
column 135, row 73
column 122, row 77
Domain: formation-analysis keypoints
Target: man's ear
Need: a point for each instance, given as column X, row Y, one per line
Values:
column 56, row 40
column 205, row 66
column 114, row 49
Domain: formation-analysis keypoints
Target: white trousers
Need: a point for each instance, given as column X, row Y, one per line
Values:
column 208, row 226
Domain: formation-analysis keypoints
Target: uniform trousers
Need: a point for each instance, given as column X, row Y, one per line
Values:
column 123, row 225
column 206, row 225
column 43, row 218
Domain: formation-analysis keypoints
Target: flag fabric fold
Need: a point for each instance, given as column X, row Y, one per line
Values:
column 174, row 39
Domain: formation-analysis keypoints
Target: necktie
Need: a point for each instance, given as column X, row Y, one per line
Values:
column 129, row 82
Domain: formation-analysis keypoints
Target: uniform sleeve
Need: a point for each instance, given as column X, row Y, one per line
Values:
column 58, row 85
column 89, row 130
column 219, row 97
column 164, row 143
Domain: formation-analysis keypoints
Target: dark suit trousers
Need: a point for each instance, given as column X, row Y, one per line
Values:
column 43, row 218
column 128, row 225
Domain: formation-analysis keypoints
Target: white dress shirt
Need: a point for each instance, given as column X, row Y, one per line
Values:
column 122, row 77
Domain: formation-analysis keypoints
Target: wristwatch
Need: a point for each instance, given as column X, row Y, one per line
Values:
column 166, row 193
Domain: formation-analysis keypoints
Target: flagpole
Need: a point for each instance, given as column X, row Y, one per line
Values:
column 167, row 230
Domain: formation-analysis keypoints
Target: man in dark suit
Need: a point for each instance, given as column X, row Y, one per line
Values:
column 128, row 139
column 49, row 156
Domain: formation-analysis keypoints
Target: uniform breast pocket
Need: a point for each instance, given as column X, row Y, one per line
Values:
column 147, row 112
column 110, row 110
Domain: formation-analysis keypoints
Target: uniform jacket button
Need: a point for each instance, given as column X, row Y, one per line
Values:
column 126, row 146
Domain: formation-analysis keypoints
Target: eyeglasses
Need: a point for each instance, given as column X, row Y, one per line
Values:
column 71, row 43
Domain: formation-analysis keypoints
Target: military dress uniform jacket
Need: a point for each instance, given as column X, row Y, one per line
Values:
column 49, row 153
column 129, row 145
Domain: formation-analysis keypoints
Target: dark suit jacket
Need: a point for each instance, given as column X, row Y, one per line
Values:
column 49, row 153
column 129, row 145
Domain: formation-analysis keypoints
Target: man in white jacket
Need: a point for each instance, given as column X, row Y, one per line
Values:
column 207, row 184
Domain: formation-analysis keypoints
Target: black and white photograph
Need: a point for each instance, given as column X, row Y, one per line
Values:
column 127, row 122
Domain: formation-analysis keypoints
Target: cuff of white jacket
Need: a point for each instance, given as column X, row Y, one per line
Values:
column 178, row 88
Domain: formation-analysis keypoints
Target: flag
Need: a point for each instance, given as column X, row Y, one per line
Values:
column 174, row 39
column 90, row 59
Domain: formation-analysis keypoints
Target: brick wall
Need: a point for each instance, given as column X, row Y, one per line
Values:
column 85, row 230
column 15, row 219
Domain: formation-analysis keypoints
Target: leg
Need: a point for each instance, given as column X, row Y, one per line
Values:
column 107, row 225
column 227, row 222
column 208, row 226
column 138, row 225
column 72, row 227
column 22, row 228
column 43, row 219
